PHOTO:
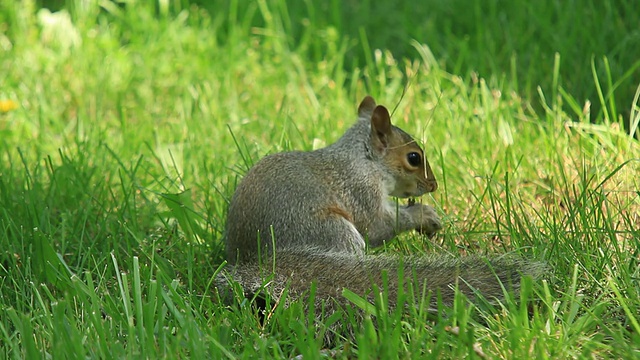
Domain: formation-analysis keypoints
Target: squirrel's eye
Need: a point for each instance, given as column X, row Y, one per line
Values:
column 414, row 159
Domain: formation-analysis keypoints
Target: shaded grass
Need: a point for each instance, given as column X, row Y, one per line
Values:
column 515, row 46
column 119, row 162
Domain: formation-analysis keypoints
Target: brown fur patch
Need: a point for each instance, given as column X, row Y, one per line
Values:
column 337, row 210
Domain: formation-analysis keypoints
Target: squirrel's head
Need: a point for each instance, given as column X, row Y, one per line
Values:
column 399, row 152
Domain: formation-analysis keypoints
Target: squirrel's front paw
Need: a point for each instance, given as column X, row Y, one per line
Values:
column 426, row 218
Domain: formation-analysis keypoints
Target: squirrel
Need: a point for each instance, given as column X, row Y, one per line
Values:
column 303, row 217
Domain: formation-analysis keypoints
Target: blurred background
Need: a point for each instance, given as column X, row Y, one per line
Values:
column 514, row 44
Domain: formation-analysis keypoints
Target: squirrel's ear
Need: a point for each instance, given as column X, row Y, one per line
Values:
column 380, row 127
column 366, row 106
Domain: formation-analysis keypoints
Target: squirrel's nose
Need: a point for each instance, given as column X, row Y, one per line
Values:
column 432, row 185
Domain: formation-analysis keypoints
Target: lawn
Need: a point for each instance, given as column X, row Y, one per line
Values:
column 125, row 127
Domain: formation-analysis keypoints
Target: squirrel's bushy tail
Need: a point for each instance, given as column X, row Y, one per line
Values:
column 333, row 272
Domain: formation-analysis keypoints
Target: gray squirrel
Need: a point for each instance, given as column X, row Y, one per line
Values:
column 303, row 217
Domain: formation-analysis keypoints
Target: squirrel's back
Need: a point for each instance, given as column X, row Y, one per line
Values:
column 281, row 200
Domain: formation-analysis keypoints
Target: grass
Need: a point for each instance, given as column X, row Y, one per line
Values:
column 125, row 128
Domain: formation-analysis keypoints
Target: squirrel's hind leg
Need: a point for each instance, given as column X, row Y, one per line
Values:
column 339, row 235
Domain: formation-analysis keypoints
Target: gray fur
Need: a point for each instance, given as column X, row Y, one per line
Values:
column 333, row 272
column 316, row 212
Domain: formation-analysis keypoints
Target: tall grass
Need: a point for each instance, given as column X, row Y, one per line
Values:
column 134, row 121
column 513, row 45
